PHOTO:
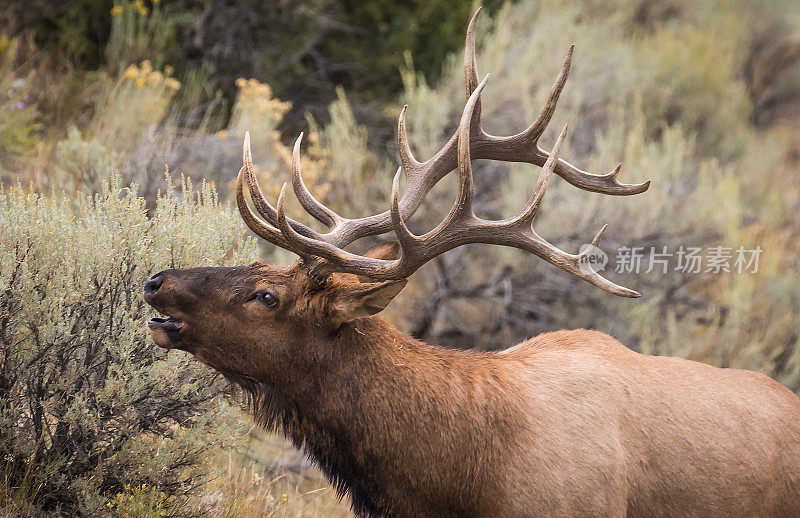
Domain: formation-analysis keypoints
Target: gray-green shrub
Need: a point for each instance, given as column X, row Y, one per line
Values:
column 89, row 407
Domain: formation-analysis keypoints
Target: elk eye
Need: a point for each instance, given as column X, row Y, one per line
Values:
column 267, row 298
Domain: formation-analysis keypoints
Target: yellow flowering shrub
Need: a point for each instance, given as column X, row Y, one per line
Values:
column 139, row 100
column 141, row 30
column 256, row 110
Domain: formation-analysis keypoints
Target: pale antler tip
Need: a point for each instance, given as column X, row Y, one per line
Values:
column 599, row 235
column 614, row 172
column 622, row 291
column 406, row 156
column 570, row 52
column 480, row 86
column 282, row 197
column 247, row 156
column 568, row 58
column 474, row 18
column 396, row 187
column 296, row 150
column 556, row 151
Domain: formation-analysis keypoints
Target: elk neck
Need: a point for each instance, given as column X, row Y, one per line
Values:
column 374, row 408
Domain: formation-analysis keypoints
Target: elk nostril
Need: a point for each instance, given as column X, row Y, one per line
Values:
column 153, row 283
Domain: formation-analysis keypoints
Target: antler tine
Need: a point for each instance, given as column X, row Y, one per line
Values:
column 471, row 69
column 572, row 263
column 262, row 205
column 599, row 235
column 261, row 229
column 528, row 212
column 409, row 163
column 296, row 242
column 286, row 230
column 405, row 238
column 470, row 57
column 319, row 211
column 337, row 258
column 463, row 205
column 536, row 129
column 461, row 210
column 260, row 202
column 299, row 243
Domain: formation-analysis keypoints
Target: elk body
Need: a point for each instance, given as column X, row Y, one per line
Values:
column 568, row 423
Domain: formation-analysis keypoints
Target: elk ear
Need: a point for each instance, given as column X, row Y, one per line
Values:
column 362, row 299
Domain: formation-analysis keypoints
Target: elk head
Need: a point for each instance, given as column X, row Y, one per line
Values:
column 253, row 320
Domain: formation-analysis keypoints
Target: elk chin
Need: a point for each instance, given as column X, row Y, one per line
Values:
column 167, row 332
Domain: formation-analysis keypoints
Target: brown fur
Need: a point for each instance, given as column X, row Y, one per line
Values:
column 569, row 423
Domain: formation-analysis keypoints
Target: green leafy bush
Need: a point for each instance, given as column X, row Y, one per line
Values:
column 88, row 405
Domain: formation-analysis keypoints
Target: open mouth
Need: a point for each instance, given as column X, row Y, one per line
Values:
column 169, row 324
column 166, row 332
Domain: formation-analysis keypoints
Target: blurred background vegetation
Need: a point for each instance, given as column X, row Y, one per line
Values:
column 97, row 97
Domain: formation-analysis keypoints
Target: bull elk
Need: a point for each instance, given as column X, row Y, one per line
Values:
column 568, row 423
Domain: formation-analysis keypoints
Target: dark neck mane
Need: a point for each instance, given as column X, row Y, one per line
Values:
column 359, row 407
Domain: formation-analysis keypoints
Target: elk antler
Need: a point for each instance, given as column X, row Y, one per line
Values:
column 461, row 226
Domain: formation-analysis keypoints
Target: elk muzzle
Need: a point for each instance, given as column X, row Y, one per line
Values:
column 166, row 331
